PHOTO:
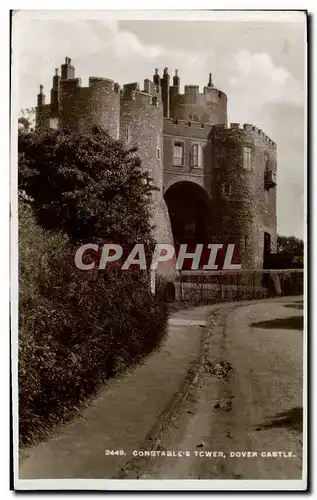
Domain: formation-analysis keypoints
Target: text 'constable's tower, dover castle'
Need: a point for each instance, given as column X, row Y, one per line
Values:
column 217, row 183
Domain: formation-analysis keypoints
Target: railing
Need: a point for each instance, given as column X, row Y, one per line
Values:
column 224, row 286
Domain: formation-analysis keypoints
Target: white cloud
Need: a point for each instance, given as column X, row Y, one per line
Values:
column 97, row 48
column 124, row 44
column 262, row 81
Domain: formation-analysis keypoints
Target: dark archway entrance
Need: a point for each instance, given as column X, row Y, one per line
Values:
column 189, row 210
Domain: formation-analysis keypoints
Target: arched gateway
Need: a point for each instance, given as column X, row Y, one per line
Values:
column 189, row 208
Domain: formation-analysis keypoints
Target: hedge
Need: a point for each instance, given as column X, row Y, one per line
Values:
column 76, row 328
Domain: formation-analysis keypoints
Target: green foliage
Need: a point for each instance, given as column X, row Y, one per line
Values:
column 290, row 244
column 87, row 185
column 77, row 328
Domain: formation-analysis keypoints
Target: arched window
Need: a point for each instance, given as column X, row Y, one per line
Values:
column 247, row 158
column 178, row 154
column 196, row 155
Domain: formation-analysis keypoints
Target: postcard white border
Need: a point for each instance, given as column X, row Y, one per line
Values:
column 163, row 484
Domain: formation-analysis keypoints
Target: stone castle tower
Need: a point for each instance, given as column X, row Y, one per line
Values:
column 217, row 183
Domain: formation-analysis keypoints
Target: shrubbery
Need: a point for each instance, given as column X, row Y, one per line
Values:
column 78, row 328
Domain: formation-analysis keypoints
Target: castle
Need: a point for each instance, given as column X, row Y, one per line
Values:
column 216, row 183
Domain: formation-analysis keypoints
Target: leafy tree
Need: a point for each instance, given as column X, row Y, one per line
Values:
column 290, row 244
column 87, row 185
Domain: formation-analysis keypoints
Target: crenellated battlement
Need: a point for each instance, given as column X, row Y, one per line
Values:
column 151, row 94
column 103, row 83
column 72, row 88
column 195, row 90
column 259, row 136
column 141, row 98
column 192, row 95
column 249, row 132
column 208, row 106
column 77, row 107
column 192, row 113
column 94, row 83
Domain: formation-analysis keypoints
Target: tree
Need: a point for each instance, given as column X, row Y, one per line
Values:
column 87, row 185
column 290, row 244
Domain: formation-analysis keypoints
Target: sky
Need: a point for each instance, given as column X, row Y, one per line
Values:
column 258, row 59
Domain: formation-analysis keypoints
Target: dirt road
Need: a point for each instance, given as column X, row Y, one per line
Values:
column 244, row 419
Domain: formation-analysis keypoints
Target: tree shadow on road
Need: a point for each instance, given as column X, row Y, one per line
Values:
column 290, row 419
column 295, row 305
column 291, row 323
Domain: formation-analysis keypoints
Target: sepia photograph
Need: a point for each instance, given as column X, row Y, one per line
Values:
column 158, row 249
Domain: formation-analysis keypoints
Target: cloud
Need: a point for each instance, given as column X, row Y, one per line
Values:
column 262, row 81
column 38, row 42
column 96, row 47
column 125, row 44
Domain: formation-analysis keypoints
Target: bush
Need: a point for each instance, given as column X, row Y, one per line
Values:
column 76, row 330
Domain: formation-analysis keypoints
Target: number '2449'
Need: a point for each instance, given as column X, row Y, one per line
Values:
column 114, row 452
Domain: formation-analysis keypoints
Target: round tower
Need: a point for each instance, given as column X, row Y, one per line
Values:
column 82, row 107
column 233, row 193
column 141, row 125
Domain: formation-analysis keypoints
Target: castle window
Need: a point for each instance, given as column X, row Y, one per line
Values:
column 126, row 133
column 196, row 155
column 226, row 189
column 178, row 155
column 158, row 153
column 247, row 158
